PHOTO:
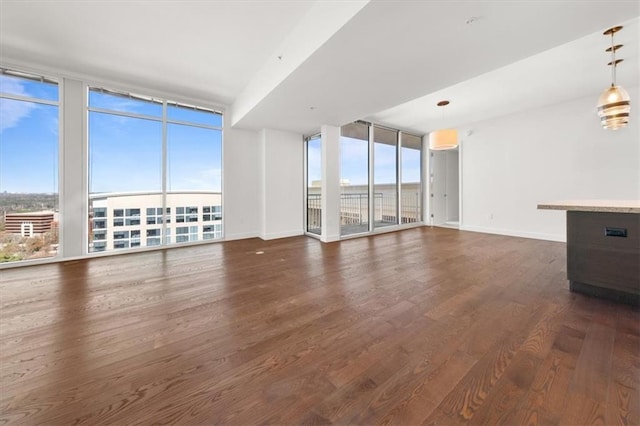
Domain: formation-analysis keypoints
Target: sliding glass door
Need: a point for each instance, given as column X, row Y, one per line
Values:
column 385, row 177
column 380, row 182
column 354, row 179
column 411, row 178
column 381, row 178
column 314, row 184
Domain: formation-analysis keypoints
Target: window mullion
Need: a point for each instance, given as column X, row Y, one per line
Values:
column 29, row 99
column 124, row 114
column 163, row 240
column 372, row 194
column 399, row 178
column 191, row 124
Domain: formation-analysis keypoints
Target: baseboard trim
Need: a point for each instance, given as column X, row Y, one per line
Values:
column 286, row 234
column 241, row 236
column 514, row 233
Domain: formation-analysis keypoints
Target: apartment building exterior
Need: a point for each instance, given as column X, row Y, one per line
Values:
column 130, row 220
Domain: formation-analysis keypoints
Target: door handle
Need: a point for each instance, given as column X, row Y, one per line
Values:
column 615, row 232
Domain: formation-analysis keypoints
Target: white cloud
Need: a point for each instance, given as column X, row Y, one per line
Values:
column 121, row 104
column 11, row 112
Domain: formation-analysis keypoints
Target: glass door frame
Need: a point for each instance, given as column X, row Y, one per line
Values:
column 372, row 229
column 305, row 162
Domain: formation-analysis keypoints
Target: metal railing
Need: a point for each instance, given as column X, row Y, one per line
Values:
column 314, row 213
column 354, row 209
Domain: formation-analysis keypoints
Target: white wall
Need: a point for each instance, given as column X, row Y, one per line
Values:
column 559, row 152
column 330, row 183
column 281, row 184
column 241, row 185
column 73, row 171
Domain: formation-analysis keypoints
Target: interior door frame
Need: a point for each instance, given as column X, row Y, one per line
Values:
column 433, row 201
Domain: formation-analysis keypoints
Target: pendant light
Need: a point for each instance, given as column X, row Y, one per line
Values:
column 614, row 103
column 444, row 138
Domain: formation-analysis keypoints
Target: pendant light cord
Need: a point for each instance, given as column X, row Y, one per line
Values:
column 613, row 62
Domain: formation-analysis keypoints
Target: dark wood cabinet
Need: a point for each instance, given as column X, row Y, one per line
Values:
column 603, row 254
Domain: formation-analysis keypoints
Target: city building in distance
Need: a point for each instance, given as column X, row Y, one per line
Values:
column 29, row 224
column 129, row 220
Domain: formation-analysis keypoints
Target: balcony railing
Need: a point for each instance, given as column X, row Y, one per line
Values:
column 314, row 213
column 354, row 210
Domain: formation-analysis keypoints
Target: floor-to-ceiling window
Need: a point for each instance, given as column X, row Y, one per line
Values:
column 380, row 178
column 194, row 172
column 154, row 172
column 385, row 177
column 354, row 178
column 29, row 140
column 411, row 178
column 314, row 184
column 125, row 168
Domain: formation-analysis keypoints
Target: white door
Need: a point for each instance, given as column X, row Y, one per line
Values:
column 445, row 188
column 438, row 179
column 452, row 187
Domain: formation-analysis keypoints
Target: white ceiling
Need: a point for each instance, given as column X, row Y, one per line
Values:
column 347, row 60
column 199, row 49
column 569, row 71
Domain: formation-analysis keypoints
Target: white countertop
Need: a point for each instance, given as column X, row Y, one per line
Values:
column 608, row 206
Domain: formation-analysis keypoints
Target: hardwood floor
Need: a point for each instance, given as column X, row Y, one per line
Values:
column 424, row 326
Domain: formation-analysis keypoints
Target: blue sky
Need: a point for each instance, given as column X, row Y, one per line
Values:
column 28, row 138
column 354, row 157
column 125, row 153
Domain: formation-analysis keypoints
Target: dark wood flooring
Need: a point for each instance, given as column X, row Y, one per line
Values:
column 424, row 326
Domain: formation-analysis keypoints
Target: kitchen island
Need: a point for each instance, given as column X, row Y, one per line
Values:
column 603, row 247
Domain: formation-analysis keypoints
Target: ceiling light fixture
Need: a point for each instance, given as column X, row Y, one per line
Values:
column 614, row 103
column 444, row 138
